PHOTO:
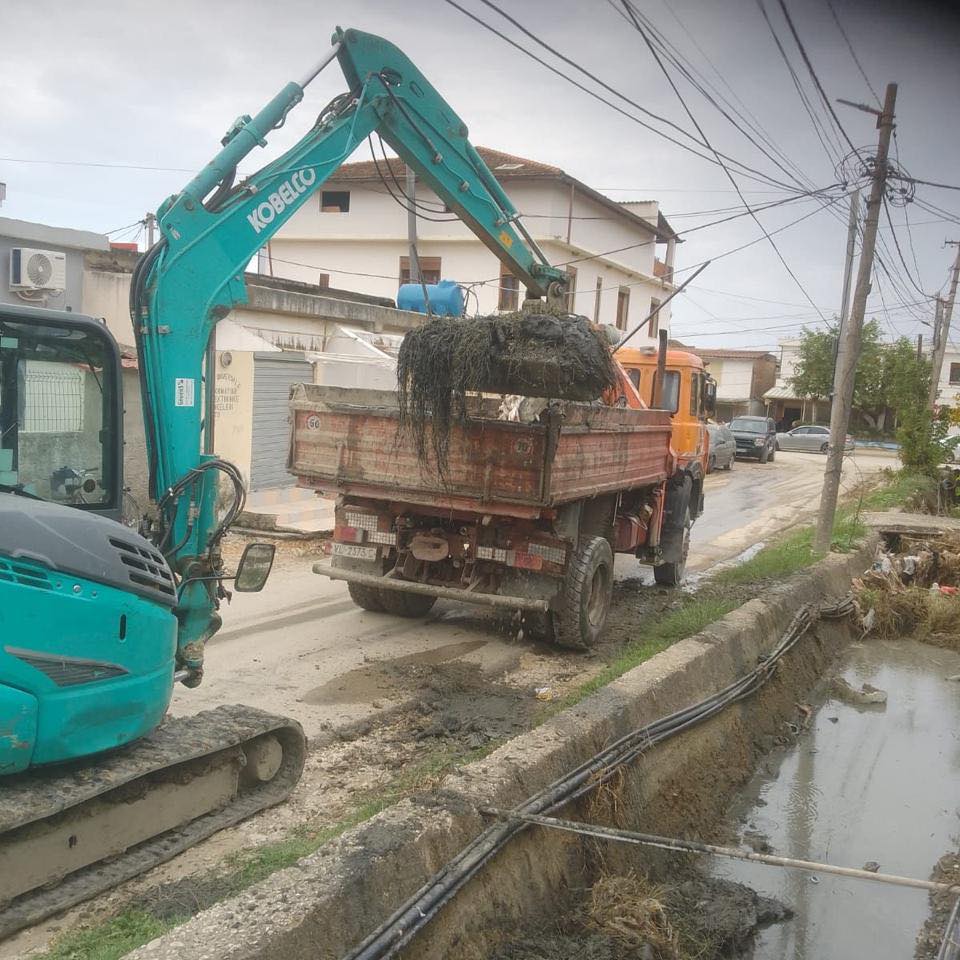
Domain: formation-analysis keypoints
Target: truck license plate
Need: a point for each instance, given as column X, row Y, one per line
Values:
column 355, row 551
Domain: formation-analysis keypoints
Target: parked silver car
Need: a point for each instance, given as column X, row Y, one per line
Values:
column 810, row 438
column 723, row 448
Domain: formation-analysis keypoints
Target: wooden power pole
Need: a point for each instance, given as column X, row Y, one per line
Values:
column 942, row 328
column 849, row 347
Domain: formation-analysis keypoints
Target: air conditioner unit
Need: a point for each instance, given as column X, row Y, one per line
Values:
column 37, row 269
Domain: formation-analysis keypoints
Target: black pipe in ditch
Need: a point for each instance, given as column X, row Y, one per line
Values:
column 413, row 915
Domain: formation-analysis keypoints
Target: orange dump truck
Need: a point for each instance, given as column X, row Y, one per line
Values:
column 689, row 394
column 528, row 514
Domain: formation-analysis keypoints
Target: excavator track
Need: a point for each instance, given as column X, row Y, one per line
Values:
column 213, row 770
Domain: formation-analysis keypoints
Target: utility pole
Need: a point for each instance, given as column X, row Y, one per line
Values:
column 919, row 346
column 849, row 347
column 942, row 328
column 848, row 263
column 151, row 222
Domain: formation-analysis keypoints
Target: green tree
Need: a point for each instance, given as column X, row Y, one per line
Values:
column 817, row 357
column 920, row 434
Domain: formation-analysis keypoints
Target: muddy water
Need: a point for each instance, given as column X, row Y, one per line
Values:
column 877, row 783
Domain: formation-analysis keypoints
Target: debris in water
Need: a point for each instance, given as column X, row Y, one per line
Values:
column 867, row 695
column 872, row 866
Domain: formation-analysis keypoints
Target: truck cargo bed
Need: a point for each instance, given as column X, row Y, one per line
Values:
column 348, row 441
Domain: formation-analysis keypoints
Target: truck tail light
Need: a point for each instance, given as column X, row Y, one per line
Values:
column 345, row 534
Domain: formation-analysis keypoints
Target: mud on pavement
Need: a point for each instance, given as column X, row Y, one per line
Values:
column 433, row 711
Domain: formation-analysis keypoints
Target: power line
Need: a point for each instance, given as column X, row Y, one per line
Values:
column 815, row 78
column 629, row 8
column 92, row 163
column 746, row 171
column 687, row 70
column 853, row 53
column 925, row 183
column 822, row 132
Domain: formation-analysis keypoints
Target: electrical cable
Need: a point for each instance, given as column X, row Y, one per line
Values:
column 814, row 77
column 820, row 129
column 418, row 910
column 746, row 171
column 687, row 70
column 626, row 99
column 730, row 177
column 853, row 53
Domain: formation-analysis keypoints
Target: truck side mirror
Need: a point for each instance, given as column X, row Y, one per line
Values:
column 710, row 397
column 254, row 567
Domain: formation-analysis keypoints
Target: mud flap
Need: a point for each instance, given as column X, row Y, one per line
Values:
column 679, row 493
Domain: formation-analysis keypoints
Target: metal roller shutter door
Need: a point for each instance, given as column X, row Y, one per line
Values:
column 273, row 375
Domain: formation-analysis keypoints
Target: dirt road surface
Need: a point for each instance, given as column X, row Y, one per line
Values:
column 383, row 698
column 301, row 647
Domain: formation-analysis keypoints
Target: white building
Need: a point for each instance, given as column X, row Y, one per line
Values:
column 354, row 233
column 782, row 401
column 948, row 393
column 743, row 377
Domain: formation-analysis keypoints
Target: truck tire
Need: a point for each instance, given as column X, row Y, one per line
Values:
column 587, row 591
column 670, row 574
column 764, row 455
column 366, row 597
column 402, row 604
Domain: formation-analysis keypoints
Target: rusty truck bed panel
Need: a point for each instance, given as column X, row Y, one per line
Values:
column 349, row 440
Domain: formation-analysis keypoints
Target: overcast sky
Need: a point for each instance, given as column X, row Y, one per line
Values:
column 157, row 84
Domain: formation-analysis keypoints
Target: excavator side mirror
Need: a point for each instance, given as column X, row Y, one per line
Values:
column 254, row 567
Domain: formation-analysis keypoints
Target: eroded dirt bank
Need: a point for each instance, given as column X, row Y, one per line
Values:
column 330, row 901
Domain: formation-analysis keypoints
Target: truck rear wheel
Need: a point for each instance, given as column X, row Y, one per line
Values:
column 366, row 597
column 402, row 604
column 587, row 592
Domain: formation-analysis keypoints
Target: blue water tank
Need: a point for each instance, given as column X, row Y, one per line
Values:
column 446, row 298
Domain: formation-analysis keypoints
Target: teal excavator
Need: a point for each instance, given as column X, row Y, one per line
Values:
column 98, row 621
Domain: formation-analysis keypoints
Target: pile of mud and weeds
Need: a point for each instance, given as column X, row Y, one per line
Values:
column 913, row 589
column 629, row 918
column 531, row 355
column 943, row 925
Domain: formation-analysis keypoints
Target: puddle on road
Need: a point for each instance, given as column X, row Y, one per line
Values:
column 385, row 678
column 861, row 784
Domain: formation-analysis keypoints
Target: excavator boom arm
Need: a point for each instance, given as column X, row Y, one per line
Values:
column 210, row 231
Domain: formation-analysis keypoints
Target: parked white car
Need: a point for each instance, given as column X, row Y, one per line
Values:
column 809, row 439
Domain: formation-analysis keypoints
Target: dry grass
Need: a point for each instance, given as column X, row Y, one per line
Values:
column 630, row 910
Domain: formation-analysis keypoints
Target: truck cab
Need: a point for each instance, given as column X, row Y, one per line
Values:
column 689, row 393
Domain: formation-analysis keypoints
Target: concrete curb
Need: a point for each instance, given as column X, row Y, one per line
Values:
column 328, row 902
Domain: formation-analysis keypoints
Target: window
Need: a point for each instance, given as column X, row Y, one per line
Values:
column 955, row 373
column 509, row 298
column 429, row 269
column 670, row 400
column 623, row 307
column 596, row 300
column 634, row 374
column 334, row 201
column 571, row 287
column 696, row 388
column 655, row 320
column 59, row 412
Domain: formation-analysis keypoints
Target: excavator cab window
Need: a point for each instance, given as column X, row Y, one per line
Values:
column 59, row 410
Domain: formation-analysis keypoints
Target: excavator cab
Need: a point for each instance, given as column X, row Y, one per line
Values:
column 61, row 411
